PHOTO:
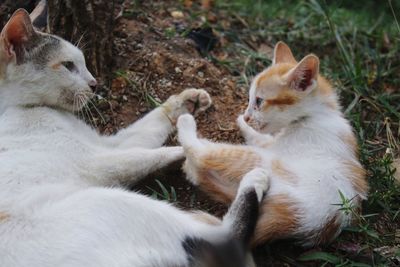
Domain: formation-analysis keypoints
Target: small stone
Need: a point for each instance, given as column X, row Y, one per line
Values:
column 143, row 110
column 200, row 74
column 125, row 98
column 177, row 14
column 178, row 70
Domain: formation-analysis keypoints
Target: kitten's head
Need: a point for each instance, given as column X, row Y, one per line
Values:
column 41, row 69
column 283, row 93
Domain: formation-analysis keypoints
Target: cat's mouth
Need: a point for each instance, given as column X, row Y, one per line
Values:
column 81, row 99
column 74, row 100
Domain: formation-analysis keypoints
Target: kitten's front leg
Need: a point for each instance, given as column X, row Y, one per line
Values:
column 128, row 166
column 153, row 129
column 253, row 137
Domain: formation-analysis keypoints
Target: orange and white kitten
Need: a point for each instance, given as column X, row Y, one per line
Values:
column 295, row 130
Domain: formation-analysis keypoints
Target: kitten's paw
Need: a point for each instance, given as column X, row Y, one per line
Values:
column 195, row 100
column 186, row 122
column 190, row 101
column 258, row 179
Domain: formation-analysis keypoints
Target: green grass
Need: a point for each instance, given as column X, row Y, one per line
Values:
column 163, row 193
column 358, row 43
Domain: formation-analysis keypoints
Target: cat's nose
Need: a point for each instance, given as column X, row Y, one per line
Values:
column 92, row 84
column 246, row 117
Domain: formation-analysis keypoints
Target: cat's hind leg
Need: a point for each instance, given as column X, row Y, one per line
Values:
column 216, row 168
column 153, row 129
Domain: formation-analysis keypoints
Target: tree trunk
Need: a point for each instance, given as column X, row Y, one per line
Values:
column 7, row 8
column 89, row 24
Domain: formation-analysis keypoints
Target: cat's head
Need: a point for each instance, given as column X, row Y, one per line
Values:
column 286, row 92
column 41, row 69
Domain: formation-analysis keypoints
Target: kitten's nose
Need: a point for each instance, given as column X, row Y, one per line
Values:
column 93, row 84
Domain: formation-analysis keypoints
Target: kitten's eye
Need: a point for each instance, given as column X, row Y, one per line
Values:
column 259, row 101
column 69, row 65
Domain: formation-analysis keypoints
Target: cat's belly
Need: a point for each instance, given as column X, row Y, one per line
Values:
column 79, row 231
column 33, row 165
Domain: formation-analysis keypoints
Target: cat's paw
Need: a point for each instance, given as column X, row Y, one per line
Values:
column 192, row 101
column 186, row 122
column 195, row 100
column 258, row 179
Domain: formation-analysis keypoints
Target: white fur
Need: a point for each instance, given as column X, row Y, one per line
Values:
column 57, row 206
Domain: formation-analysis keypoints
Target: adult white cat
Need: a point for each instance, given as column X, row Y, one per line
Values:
column 57, row 207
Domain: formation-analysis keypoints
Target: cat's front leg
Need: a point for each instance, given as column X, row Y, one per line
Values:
column 128, row 166
column 153, row 129
column 191, row 101
column 253, row 137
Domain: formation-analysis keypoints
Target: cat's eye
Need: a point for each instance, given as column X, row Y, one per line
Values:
column 259, row 101
column 69, row 65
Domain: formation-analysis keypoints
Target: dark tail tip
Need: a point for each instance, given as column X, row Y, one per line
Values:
column 39, row 15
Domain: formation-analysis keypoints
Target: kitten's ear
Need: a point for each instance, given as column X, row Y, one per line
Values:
column 15, row 34
column 304, row 76
column 283, row 54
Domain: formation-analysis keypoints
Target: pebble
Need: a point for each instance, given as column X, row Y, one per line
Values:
column 177, row 14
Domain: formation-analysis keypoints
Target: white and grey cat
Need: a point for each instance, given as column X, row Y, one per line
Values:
column 61, row 203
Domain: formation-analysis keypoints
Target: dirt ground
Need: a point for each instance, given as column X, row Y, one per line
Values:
column 149, row 68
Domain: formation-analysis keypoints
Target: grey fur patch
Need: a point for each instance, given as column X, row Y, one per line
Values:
column 38, row 50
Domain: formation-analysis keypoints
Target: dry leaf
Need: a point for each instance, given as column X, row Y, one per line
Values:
column 206, row 4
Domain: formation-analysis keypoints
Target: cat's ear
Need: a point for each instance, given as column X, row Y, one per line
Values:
column 283, row 54
column 17, row 32
column 304, row 76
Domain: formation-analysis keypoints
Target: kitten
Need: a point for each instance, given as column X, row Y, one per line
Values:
column 294, row 129
column 60, row 202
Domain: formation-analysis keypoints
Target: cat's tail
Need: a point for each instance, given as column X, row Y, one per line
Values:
column 242, row 216
column 240, row 222
column 39, row 15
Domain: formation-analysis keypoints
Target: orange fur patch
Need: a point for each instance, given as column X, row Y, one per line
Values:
column 278, row 69
column 357, row 176
column 206, row 218
column 56, row 66
column 220, row 171
column 277, row 219
column 324, row 87
column 283, row 173
column 282, row 95
column 329, row 231
column 351, row 141
column 4, row 216
column 285, row 98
